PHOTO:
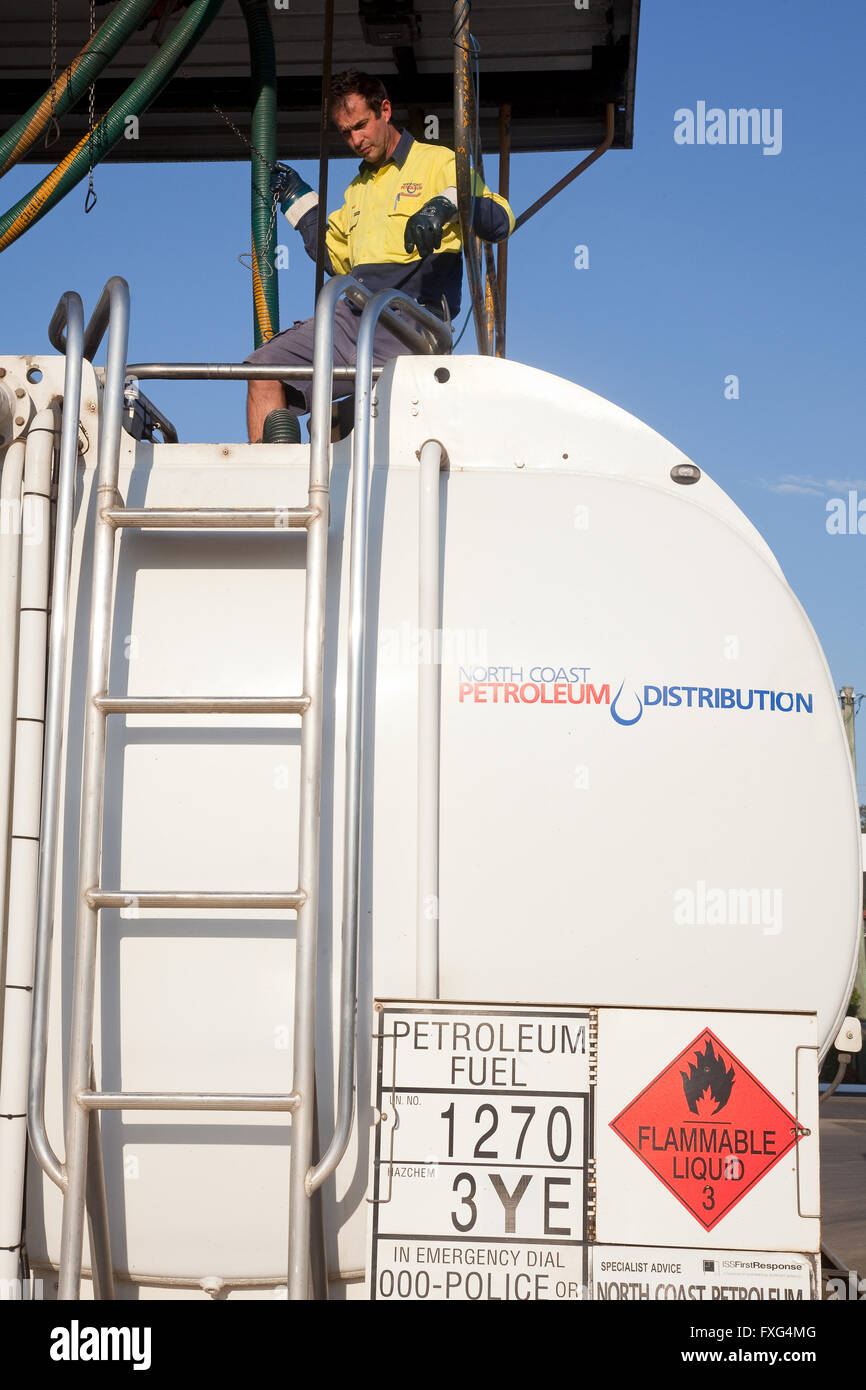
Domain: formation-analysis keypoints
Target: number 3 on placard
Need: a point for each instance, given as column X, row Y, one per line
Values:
column 466, row 1202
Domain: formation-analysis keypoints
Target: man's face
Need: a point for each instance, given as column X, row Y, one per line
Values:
column 366, row 133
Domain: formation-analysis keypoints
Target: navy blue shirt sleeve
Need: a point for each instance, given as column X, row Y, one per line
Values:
column 309, row 230
column 490, row 221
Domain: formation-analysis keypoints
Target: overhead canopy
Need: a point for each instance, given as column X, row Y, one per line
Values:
column 556, row 64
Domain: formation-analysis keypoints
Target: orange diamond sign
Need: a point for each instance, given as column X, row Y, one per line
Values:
column 707, row 1128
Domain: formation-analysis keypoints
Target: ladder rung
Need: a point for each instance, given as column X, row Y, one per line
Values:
column 183, row 1100
column 204, row 518
column 202, row 704
column 102, row 897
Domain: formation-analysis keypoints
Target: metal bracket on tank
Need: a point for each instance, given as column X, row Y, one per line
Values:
column 389, row 1118
column 591, row 1177
column 802, row 1132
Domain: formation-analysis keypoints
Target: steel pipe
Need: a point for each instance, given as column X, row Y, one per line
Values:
column 69, row 314
column 230, row 371
column 116, row 297
column 303, row 1181
column 10, row 579
column 427, row 925
column 304, row 1060
column 502, row 248
column 28, row 629
column 184, row 1100
column 202, row 704
column 569, row 178
column 322, row 227
column 210, row 518
column 463, row 103
column 354, row 723
column 116, row 897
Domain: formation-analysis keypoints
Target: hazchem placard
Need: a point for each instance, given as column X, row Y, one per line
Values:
column 707, row 1128
column 631, row 1273
column 480, row 1160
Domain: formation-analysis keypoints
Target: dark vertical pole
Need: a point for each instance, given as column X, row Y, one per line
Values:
column 462, row 105
column 327, row 53
column 481, row 254
column 263, row 68
column 846, row 696
column 502, row 248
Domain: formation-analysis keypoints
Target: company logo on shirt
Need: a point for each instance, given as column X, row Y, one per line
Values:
column 408, row 190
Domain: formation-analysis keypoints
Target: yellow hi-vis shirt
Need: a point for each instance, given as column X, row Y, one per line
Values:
column 369, row 228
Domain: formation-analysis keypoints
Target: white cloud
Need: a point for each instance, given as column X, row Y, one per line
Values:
column 803, row 485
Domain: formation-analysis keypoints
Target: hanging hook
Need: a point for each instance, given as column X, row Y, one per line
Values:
column 91, row 200
column 266, row 270
column 52, row 133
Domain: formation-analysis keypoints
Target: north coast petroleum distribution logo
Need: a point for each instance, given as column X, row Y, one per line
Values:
column 627, row 705
column 707, row 1128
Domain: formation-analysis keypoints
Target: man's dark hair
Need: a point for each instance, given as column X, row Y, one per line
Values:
column 361, row 84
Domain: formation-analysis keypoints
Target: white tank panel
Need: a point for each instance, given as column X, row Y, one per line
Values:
column 700, row 854
column 570, row 842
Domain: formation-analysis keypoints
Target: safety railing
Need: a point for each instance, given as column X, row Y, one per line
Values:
column 84, row 1171
column 83, row 1168
column 488, row 279
column 304, row 1178
column 68, row 315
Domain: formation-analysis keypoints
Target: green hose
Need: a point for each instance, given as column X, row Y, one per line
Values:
column 136, row 99
column 281, row 427
column 74, row 81
column 263, row 67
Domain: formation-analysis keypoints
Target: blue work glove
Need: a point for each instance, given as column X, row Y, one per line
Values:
column 424, row 228
column 288, row 185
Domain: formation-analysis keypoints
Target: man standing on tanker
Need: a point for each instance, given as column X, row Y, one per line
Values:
column 398, row 227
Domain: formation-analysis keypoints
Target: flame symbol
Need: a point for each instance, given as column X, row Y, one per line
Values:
column 710, row 1075
column 618, row 717
column 704, row 1104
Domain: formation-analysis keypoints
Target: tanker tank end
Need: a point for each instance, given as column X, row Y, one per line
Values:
column 645, row 792
column 519, row 751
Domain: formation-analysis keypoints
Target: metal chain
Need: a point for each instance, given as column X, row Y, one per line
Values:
column 52, row 131
column 90, row 199
column 239, row 133
column 246, row 257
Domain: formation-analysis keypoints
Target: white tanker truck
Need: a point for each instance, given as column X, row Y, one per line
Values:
column 434, row 853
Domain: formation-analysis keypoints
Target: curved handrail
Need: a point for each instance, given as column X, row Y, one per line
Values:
column 115, row 297
column 59, row 319
column 379, row 303
column 11, row 479
column 69, row 314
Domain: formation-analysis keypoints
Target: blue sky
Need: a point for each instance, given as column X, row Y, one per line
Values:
column 704, row 261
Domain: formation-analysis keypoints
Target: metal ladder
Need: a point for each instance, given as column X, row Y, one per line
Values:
column 81, row 1177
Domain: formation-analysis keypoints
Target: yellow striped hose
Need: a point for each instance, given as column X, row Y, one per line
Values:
column 136, row 99
column 74, row 80
column 262, row 321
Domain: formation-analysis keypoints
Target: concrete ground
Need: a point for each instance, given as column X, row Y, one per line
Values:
column 843, row 1178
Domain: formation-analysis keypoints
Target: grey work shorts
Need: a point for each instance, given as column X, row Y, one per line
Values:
column 294, row 348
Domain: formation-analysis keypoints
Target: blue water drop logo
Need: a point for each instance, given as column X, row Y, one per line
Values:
column 618, row 717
